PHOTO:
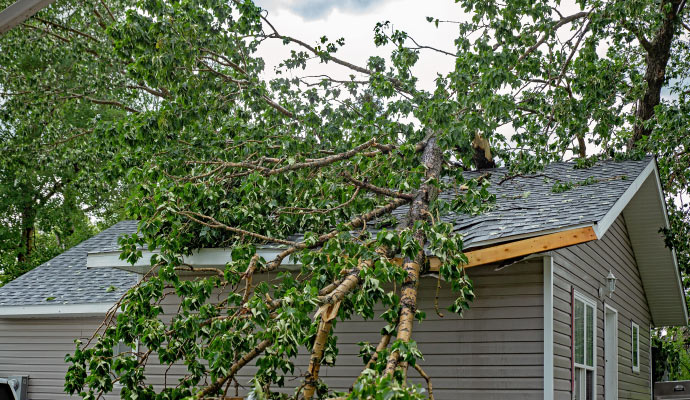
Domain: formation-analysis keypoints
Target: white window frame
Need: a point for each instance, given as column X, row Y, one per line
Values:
column 634, row 338
column 134, row 351
column 590, row 302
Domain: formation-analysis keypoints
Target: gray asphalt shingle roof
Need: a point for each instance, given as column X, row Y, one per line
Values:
column 524, row 205
column 66, row 280
column 529, row 204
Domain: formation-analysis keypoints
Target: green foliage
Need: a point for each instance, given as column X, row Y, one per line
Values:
column 168, row 102
column 47, row 246
column 53, row 175
column 670, row 354
column 373, row 386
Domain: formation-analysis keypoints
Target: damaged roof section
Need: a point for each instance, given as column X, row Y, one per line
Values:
column 557, row 198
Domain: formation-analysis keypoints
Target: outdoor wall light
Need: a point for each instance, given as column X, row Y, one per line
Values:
column 611, row 283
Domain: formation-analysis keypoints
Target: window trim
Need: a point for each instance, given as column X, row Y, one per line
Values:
column 578, row 296
column 593, row 304
column 134, row 351
column 634, row 339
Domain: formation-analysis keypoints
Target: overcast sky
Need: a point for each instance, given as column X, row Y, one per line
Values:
column 354, row 20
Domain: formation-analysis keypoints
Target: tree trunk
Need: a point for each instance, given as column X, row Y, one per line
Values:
column 658, row 54
column 26, row 244
column 482, row 152
column 317, row 353
column 581, row 146
column 419, row 210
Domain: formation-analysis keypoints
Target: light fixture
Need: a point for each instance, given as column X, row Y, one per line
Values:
column 611, row 283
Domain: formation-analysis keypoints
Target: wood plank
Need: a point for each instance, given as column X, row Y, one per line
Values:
column 524, row 247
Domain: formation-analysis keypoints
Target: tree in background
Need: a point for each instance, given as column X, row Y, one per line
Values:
column 55, row 177
column 226, row 158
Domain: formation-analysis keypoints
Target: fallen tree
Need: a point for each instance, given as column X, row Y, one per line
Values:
column 341, row 174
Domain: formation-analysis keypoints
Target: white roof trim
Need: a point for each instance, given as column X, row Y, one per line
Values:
column 644, row 214
column 605, row 223
column 203, row 258
column 55, row 310
column 218, row 257
column 667, row 224
column 20, row 12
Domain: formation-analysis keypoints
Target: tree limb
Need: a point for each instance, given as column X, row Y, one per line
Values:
column 376, row 189
column 246, row 358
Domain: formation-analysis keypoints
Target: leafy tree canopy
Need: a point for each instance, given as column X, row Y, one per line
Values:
column 53, row 179
column 221, row 156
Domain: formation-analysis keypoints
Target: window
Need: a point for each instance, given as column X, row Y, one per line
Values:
column 585, row 348
column 635, row 340
column 122, row 350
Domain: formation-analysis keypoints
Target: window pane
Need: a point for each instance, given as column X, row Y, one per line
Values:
column 590, row 385
column 635, row 345
column 580, row 384
column 579, row 332
column 590, row 336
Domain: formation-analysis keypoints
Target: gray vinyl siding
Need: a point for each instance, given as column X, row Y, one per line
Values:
column 494, row 352
column 585, row 268
column 37, row 348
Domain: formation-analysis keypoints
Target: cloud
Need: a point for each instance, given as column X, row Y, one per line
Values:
column 318, row 9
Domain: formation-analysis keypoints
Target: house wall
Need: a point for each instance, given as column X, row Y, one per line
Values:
column 37, row 347
column 585, row 268
column 494, row 352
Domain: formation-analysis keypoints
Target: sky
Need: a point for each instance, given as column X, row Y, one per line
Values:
column 354, row 20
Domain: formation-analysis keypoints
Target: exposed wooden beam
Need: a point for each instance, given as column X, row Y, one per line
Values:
column 524, row 247
column 19, row 12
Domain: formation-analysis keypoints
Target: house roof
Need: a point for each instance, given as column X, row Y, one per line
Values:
column 65, row 280
column 561, row 198
column 528, row 205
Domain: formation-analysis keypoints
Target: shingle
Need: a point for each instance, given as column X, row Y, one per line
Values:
column 66, row 280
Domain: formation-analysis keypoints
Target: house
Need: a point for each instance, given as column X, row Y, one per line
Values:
column 545, row 323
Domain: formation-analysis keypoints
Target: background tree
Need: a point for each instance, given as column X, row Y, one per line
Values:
column 55, row 178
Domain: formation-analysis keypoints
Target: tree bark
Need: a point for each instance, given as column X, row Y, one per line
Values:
column 317, row 353
column 658, row 54
column 419, row 210
column 26, row 244
column 581, row 147
column 482, row 152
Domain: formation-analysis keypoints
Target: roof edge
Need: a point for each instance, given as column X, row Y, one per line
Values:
column 679, row 279
column 603, row 225
column 56, row 310
column 645, row 212
column 215, row 257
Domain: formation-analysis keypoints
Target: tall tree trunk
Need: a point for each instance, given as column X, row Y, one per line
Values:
column 658, row 54
column 581, row 146
column 28, row 227
column 419, row 210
